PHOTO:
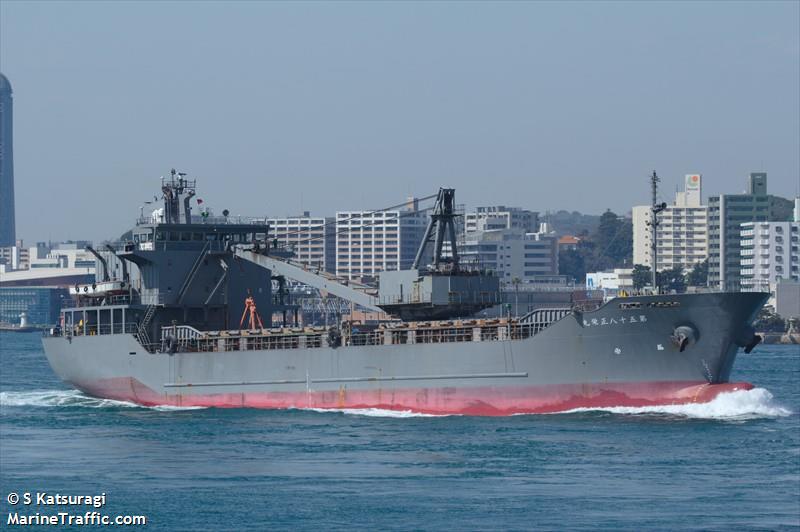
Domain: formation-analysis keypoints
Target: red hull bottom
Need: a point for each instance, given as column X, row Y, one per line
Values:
column 479, row 401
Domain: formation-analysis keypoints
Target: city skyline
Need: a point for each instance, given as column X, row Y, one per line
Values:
column 130, row 219
column 277, row 109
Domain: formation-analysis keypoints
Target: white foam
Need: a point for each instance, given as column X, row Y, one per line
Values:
column 72, row 398
column 173, row 408
column 740, row 405
column 375, row 412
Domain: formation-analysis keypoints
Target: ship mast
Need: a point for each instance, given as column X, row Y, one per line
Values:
column 654, row 210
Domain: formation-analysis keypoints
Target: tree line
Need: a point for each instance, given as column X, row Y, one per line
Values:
column 610, row 245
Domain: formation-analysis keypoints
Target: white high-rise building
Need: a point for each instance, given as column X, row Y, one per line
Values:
column 311, row 238
column 501, row 217
column 770, row 253
column 726, row 214
column 682, row 233
column 369, row 242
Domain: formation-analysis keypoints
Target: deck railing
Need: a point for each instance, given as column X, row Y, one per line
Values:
column 188, row 339
column 91, row 330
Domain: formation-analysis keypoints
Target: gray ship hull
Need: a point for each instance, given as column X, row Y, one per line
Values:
column 621, row 354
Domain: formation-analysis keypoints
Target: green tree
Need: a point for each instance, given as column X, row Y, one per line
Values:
column 699, row 274
column 571, row 263
column 672, row 280
column 641, row 276
column 613, row 243
column 610, row 245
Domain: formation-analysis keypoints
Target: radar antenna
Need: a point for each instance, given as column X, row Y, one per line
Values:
column 176, row 195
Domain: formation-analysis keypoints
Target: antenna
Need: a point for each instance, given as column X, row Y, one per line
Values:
column 654, row 210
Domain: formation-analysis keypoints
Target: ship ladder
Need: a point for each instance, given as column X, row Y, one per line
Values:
column 141, row 332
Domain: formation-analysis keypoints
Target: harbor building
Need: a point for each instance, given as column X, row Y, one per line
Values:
column 682, row 231
column 311, row 238
column 501, row 217
column 514, row 254
column 369, row 242
column 47, row 265
column 770, row 253
column 611, row 282
column 787, row 299
column 7, row 218
column 41, row 304
column 726, row 214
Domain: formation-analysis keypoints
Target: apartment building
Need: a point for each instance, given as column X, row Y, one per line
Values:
column 368, row 242
column 311, row 238
column 515, row 255
column 501, row 217
column 770, row 253
column 681, row 233
column 726, row 214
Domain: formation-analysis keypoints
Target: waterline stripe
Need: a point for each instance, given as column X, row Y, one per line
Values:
column 351, row 379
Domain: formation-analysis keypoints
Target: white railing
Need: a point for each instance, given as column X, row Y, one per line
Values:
column 92, row 330
column 544, row 317
column 180, row 332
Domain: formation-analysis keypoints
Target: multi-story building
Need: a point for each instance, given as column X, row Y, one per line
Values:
column 770, row 252
column 501, row 217
column 46, row 255
column 514, row 254
column 726, row 214
column 369, row 242
column 16, row 257
column 312, row 239
column 48, row 265
column 70, row 254
column 681, row 233
column 7, row 229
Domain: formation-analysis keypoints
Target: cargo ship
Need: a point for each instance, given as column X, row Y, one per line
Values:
column 182, row 314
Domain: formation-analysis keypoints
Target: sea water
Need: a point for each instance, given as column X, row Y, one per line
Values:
column 730, row 464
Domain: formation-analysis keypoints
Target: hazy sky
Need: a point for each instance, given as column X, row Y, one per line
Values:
column 281, row 107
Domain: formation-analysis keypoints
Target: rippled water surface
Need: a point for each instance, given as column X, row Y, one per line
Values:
column 730, row 464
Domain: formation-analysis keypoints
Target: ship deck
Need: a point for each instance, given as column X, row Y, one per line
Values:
column 188, row 339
